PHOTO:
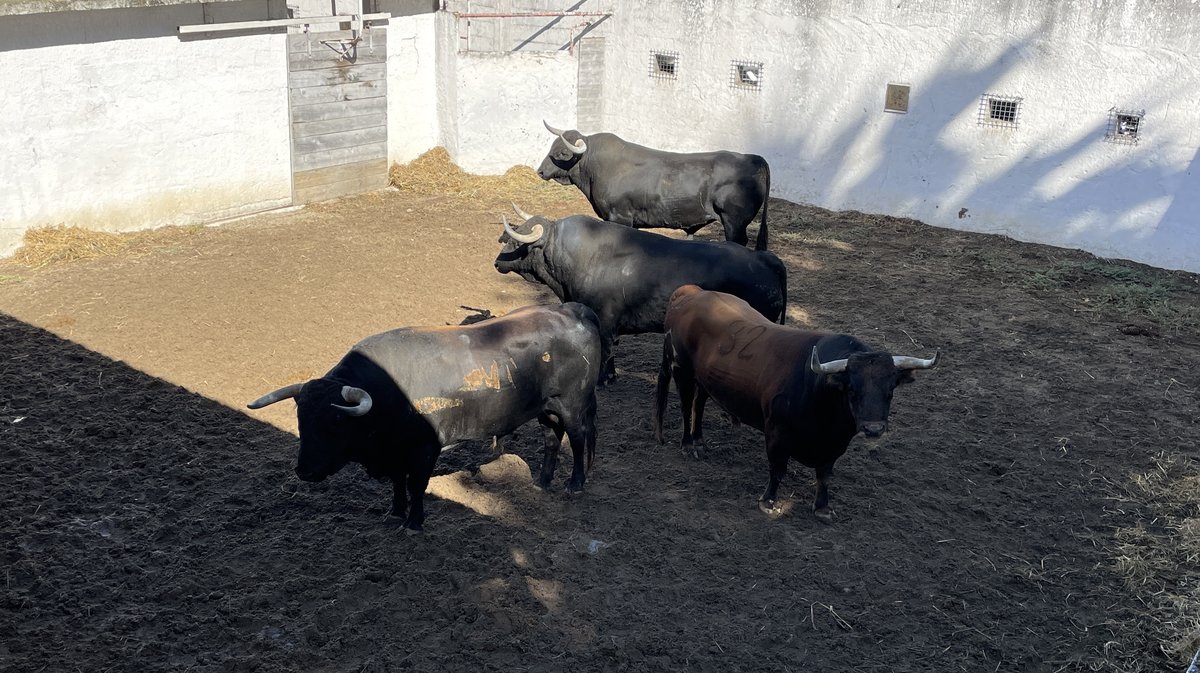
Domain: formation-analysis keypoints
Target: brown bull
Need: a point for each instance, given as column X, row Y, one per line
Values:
column 809, row 392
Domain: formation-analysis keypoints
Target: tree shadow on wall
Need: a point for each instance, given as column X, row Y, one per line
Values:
column 1075, row 179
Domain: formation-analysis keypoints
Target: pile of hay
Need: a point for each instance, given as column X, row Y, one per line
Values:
column 62, row 244
column 434, row 173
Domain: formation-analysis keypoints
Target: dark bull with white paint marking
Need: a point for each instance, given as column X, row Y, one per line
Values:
column 397, row 398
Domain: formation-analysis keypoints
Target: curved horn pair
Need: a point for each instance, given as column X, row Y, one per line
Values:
column 900, row 361
column 577, row 147
column 534, row 235
column 360, row 398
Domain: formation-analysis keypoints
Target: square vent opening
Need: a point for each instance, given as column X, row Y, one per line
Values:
column 746, row 75
column 664, row 64
column 1000, row 111
column 1124, row 126
column 896, row 99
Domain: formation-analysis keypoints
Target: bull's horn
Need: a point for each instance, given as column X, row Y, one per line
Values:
column 534, row 234
column 906, row 362
column 273, row 397
column 577, row 147
column 831, row 367
column 523, row 215
column 360, row 398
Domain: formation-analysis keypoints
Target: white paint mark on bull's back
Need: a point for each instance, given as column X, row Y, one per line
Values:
column 483, row 377
column 429, row 405
column 546, row 357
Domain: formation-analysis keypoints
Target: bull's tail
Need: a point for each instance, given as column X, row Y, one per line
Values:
column 664, row 387
column 780, row 270
column 764, row 178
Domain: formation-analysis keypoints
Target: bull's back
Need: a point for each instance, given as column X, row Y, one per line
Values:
column 742, row 359
column 488, row 378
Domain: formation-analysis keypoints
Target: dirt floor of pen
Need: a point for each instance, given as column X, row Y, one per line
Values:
column 1034, row 506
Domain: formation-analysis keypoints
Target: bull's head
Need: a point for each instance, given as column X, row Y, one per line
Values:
column 868, row 380
column 522, row 251
column 329, row 415
column 564, row 154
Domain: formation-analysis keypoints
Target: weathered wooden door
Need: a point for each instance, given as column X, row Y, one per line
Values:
column 339, row 115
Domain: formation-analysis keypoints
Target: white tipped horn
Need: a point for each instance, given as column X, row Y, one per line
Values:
column 522, row 214
column 577, row 147
column 532, row 236
column 360, row 398
column 557, row 132
column 907, row 362
column 276, row 396
column 831, row 367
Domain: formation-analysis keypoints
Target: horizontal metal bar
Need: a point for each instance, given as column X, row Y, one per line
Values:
column 517, row 15
column 277, row 23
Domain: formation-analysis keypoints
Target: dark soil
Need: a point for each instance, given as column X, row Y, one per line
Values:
column 149, row 522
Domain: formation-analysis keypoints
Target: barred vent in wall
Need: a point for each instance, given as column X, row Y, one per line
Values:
column 999, row 111
column 664, row 64
column 1124, row 126
column 746, row 75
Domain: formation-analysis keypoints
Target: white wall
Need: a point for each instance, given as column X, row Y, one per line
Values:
column 111, row 122
column 502, row 100
column 412, row 86
column 818, row 117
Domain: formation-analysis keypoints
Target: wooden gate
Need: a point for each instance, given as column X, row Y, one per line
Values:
column 339, row 115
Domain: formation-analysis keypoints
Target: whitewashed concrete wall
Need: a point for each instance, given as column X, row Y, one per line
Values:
column 412, row 86
column 819, row 117
column 109, row 121
column 500, row 100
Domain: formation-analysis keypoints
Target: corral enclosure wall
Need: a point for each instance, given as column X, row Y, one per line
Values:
column 111, row 122
column 817, row 111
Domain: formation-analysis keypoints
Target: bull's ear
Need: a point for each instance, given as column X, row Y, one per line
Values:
column 906, row 376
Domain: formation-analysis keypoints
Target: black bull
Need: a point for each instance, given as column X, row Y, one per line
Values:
column 642, row 187
column 627, row 276
column 397, row 398
column 809, row 392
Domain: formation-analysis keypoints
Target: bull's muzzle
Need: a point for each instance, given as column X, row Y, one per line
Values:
column 874, row 428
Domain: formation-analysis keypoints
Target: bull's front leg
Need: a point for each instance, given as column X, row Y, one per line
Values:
column 608, row 342
column 821, row 508
column 777, row 460
column 399, row 498
column 419, row 473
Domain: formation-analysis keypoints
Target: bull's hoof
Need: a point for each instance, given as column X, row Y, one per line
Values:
column 543, row 483
column 769, row 507
column 410, row 531
column 824, row 515
column 574, row 489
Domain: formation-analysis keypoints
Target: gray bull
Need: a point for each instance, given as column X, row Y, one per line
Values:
column 626, row 276
column 398, row 397
column 642, row 187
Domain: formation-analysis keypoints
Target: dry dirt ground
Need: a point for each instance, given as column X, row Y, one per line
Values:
column 1032, row 508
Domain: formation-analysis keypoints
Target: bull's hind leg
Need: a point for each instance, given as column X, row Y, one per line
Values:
column 579, row 421
column 685, row 383
column 552, row 433
column 698, row 420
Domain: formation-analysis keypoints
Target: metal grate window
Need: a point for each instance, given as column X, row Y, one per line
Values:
column 746, row 75
column 1124, row 126
column 999, row 111
column 664, row 64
